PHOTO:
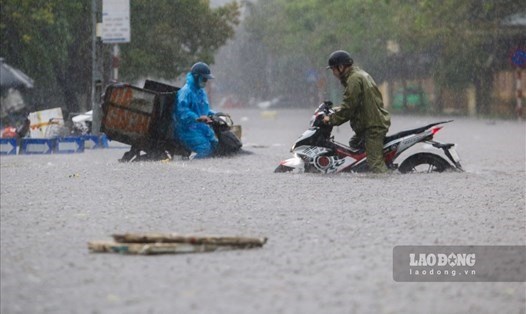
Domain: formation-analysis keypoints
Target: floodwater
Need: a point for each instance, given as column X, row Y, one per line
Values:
column 330, row 238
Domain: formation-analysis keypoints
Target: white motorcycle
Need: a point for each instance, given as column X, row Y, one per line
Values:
column 316, row 151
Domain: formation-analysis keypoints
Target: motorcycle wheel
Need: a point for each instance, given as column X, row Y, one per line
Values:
column 282, row 169
column 424, row 163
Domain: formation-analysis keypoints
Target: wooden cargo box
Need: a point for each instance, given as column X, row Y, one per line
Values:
column 136, row 116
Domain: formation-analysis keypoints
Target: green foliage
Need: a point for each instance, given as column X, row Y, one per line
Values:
column 51, row 42
column 466, row 34
column 314, row 27
column 301, row 34
column 463, row 42
column 169, row 36
column 38, row 36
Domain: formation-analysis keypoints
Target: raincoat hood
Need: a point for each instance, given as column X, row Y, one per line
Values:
column 192, row 82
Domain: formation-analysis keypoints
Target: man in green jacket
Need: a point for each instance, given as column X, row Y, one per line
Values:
column 363, row 107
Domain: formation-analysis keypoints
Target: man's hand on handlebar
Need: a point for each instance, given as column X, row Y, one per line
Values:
column 204, row 119
column 326, row 119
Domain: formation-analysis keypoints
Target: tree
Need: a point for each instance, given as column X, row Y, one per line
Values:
column 169, row 36
column 48, row 40
column 51, row 42
column 457, row 43
column 466, row 38
column 299, row 35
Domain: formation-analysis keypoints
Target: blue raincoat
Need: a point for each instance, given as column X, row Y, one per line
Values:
column 191, row 103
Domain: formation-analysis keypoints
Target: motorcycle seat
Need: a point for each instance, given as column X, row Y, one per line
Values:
column 398, row 135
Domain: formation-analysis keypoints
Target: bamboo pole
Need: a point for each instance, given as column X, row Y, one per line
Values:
column 171, row 243
column 246, row 242
column 154, row 248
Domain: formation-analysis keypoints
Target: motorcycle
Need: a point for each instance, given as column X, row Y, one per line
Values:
column 316, row 150
column 142, row 118
column 221, row 123
column 228, row 142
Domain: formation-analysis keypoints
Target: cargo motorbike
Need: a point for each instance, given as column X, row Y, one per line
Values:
column 221, row 123
column 142, row 118
column 317, row 151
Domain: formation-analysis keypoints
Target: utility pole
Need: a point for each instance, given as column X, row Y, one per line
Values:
column 113, row 29
column 96, row 68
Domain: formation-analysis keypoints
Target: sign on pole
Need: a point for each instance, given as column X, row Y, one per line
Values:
column 115, row 21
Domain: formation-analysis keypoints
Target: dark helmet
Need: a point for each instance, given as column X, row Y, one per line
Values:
column 202, row 69
column 339, row 57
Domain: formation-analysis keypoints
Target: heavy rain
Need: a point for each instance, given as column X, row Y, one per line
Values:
column 92, row 146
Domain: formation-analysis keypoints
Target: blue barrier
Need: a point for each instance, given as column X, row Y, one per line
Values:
column 69, row 145
column 8, row 146
column 37, row 145
column 104, row 141
column 59, row 145
column 94, row 141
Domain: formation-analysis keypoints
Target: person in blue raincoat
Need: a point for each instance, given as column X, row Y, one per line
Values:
column 191, row 110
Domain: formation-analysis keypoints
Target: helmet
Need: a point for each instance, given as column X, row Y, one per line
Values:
column 202, row 69
column 339, row 57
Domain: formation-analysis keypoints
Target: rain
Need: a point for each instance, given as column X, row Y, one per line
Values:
column 334, row 242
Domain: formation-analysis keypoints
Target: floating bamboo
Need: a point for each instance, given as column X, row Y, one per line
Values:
column 243, row 242
column 159, row 243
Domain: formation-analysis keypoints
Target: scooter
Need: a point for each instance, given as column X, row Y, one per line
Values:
column 316, row 150
column 221, row 123
column 142, row 118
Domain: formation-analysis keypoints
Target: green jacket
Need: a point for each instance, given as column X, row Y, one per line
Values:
column 362, row 103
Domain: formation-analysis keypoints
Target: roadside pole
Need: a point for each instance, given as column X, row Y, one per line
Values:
column 111, row 25
column 115, row 61
column 518, row 108
column 96, row 69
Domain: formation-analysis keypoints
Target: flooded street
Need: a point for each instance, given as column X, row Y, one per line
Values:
column 330, row 238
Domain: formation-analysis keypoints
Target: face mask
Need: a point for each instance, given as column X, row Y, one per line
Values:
column 202, row 82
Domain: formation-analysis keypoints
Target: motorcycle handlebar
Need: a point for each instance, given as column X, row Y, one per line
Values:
column 318, row 120
column 325, row 107
column 210, row 120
